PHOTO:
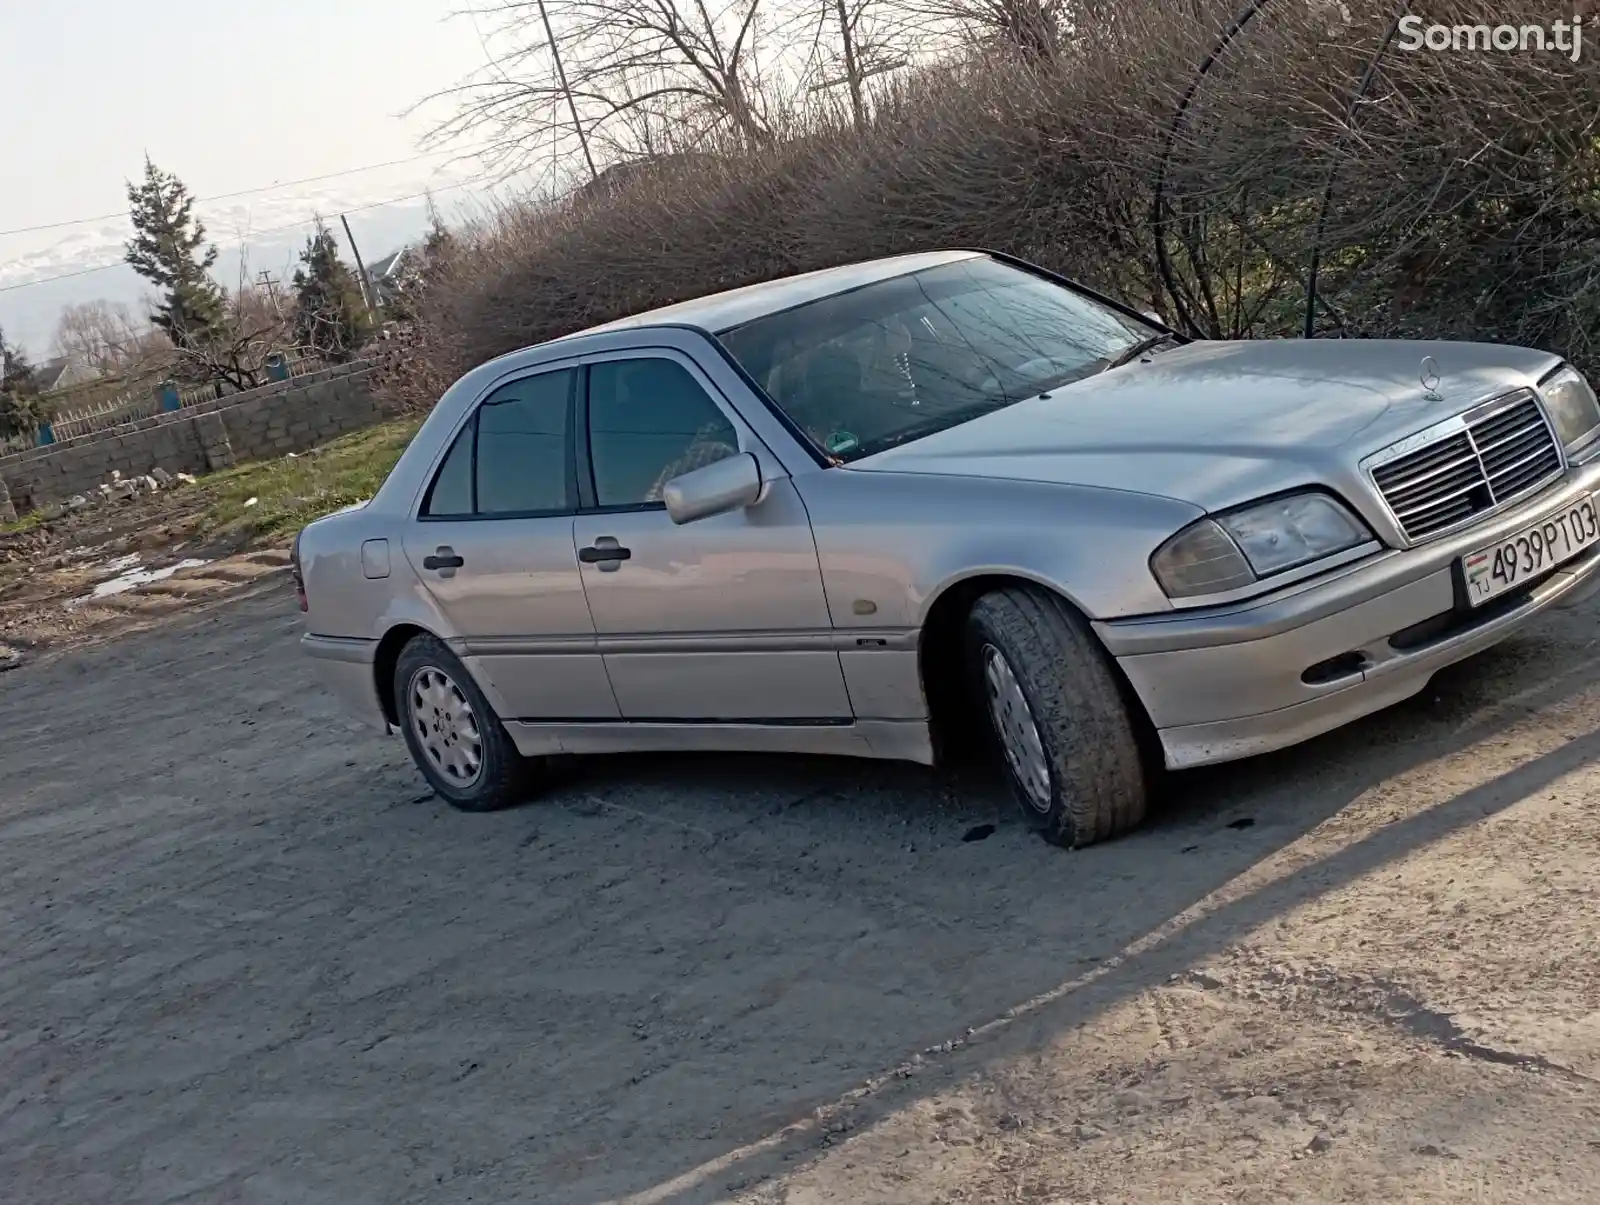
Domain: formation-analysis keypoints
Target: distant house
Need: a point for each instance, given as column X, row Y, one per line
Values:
column 388, row 274
column 63, row 372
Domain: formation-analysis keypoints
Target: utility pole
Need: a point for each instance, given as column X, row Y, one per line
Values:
column 367, row 294
column 852, row 72
column 270, row 284
column 855, row 78
column 572, row 106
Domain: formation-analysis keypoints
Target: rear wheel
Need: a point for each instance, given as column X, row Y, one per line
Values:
column 1069, row 744
column 454, row 736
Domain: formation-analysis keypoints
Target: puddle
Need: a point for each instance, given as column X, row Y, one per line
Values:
column 117, row 565
column 130, row 577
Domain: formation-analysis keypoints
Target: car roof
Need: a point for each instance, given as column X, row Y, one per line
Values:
column 718, row 312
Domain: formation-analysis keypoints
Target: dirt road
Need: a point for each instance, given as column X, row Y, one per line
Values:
column 244, row 957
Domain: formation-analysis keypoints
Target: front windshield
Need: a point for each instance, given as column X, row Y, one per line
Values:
column 893, row 361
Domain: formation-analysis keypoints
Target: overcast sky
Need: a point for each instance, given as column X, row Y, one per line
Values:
column 229, row 95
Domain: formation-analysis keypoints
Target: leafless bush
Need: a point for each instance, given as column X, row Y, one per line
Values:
column 232, row 356
column 1461, row 185
column 1445, row 194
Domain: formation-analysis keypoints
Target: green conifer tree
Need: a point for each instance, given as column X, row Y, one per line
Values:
column 169, row 249
column 330, row 316
column 20, row 413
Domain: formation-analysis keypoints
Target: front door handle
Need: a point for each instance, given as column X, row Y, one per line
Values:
column 443, row 558
column 606, row 553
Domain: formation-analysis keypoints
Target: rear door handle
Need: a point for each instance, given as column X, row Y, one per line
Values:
column 446, row 558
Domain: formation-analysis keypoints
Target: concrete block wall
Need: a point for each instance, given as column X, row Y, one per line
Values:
column 289, row 416
column 306, row 415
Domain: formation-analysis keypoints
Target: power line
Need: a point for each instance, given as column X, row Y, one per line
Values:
column 256, row 234
column 243, row 192
column 44, row 280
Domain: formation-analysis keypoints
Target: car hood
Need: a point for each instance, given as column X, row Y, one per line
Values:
column 1220, row 423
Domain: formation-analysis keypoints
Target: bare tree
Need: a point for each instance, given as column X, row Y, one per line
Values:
column 851, row 45
column 568, row 71
column 234, row 354
column 1041, row 32
column 1034, row 30
column 102, row 334
column 1167, row 154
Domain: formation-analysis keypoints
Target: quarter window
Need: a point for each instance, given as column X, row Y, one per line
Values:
column 650, row 421
column 451, row 491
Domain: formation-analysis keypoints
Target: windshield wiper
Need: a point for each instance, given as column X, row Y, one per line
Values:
column 940, row 422
column 1139, row 348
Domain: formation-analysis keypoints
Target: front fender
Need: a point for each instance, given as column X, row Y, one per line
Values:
column 890, row 544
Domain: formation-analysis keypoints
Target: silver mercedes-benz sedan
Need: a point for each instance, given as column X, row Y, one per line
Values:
column 872, row 509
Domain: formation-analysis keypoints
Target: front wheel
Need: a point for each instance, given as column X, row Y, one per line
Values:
column 454, row 735
column 1071, row 751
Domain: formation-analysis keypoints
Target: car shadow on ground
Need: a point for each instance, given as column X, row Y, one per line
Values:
column 1212, row 826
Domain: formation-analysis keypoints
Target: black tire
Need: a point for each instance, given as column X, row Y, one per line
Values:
column 1097, row 776
column 504, row 777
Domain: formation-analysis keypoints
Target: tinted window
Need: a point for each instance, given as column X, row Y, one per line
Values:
column 451, row 492
column 650, row 421
column 522, row 446
column 864, row 370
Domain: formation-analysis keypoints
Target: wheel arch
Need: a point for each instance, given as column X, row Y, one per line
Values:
column 385, row 660
column 954, row 720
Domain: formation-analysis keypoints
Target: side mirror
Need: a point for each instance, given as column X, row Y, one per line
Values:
column 725, row 485
column 1154, row 317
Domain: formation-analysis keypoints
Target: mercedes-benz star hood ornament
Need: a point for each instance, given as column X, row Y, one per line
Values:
column 1430, row 379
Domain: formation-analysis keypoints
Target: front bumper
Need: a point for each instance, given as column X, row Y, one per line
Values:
column 1230, row 682
column 345, row 666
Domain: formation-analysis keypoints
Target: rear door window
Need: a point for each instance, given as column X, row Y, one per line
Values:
column 522, row 447
column 513, row 457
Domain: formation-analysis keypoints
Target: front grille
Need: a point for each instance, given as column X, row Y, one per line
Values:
column 1495, row 460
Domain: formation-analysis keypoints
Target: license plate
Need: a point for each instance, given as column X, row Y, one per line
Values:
column 1526, row 554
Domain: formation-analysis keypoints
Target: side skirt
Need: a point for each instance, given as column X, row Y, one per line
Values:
column 893, row 740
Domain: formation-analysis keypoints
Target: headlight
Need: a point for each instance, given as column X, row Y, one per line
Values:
column 1240, row 547
column 1571, row 404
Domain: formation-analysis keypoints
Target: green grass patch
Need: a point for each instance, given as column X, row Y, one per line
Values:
column 290, row 492
column 26, row 523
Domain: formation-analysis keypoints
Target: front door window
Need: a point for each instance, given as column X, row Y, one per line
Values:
column 650, row 421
